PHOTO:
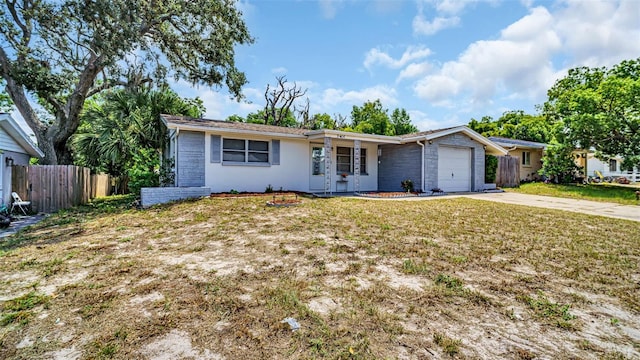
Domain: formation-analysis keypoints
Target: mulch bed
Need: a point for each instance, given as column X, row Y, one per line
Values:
column 248, row 194
column 400, row 194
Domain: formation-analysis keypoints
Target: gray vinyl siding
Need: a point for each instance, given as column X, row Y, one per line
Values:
column 8, row 143
column 398, row 163
column 190, row 158
column 459, row 140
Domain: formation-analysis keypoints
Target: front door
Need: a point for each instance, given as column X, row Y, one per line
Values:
column 316, row 178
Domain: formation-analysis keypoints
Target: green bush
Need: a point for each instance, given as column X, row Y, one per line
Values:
column 490, row 168
column 145, row 171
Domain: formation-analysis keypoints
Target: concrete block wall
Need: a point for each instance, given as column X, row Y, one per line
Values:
column 162, row 195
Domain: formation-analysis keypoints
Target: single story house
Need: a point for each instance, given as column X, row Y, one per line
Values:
column 611, row 168
column 530, row 154
column 16, row 148
column 225, row 156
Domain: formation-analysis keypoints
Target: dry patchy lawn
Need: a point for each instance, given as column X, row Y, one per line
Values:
column 213, row 279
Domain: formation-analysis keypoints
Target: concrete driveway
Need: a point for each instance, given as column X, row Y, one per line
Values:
column 628, row 212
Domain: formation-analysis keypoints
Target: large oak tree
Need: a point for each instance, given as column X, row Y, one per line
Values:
column 59, row 53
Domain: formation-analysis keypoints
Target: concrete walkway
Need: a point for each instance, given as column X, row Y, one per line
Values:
column 19, row 222
column 627, row 212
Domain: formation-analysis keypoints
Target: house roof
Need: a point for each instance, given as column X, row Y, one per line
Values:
column 506, row 142
column 187, row 123
column 490, row 146
column 12, row 128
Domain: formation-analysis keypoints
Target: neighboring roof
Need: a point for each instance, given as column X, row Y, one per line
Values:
column 518, row 143
column 15, row 131
column 187, row 123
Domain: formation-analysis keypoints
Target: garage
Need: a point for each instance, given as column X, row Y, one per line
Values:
column 454, row 168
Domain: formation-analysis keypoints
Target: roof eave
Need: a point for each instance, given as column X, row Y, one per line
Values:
column 491, row 147
column 171, row 125
column 16, row 132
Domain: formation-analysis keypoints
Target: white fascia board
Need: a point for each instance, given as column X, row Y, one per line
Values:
column 16, row 132
column 346, row 135
column 232, row 131
column 491, row 146
column 519, row 146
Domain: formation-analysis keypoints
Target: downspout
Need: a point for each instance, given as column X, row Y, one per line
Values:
column 421, row 166
column 175, row 159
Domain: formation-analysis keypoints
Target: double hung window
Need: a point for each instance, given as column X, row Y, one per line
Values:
column 245, row 151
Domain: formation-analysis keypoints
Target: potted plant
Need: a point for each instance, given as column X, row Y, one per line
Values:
column 343, row 176
column 407, row 185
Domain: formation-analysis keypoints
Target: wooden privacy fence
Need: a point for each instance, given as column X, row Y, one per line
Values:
column 508, row 172
column 54, row 187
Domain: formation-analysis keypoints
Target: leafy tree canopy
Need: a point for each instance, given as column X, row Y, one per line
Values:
column 600, row 109
column 515, row 125
column 372, row 118
column 6, row 105
column 63, row 52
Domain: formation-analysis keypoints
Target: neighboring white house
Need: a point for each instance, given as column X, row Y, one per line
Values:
column 16, row 149
column 226, row 156
column 611, row 168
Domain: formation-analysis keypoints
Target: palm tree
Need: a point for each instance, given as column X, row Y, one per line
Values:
column 120, row 127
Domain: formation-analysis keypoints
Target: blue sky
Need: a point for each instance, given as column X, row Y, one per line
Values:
column 443, row 61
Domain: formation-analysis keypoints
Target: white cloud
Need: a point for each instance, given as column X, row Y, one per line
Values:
column 279, row 70
column 414, row 70
column 599, row 33
column 451, row 6
column 422, row 26
column 329, row 8
column 446, row 15
column 517, row 62
column 379, row 57
column 333, row 98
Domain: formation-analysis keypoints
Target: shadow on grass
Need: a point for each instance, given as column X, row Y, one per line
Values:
column 57, row 227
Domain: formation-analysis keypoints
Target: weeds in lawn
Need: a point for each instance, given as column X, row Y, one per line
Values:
column 554, row 313
column 363, row 278
column 18, row 310
column 410, row 266
column 449, row 345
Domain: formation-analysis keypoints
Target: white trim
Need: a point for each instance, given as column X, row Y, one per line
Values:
column 472, row 134
column 214, row 129
column 345, row 135
column 13, row 129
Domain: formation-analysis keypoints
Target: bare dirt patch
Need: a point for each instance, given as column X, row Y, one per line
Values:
column 213, row 279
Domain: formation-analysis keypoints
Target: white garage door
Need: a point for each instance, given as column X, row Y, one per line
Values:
column 454, row 169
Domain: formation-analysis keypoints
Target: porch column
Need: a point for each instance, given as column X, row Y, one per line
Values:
column 356, row 166
column 327, row 165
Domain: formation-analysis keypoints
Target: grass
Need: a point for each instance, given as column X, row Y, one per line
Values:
column 364, row 279
column 554, row 313
column 595, row 192
column 18, row 310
